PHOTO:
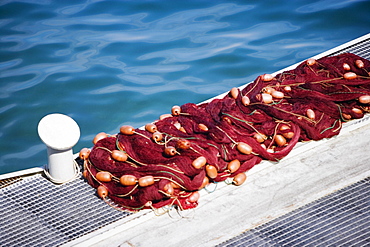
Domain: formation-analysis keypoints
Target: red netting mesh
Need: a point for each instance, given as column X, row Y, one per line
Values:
column 263, row 121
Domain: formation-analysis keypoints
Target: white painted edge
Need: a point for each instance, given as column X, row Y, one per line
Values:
column 21, row 173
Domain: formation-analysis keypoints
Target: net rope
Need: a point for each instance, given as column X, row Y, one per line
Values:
column 169, row 161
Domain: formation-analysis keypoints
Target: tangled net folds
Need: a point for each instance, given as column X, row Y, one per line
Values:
column 169, row 161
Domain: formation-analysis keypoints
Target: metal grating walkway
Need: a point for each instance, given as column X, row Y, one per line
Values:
column 36, row 212
column 361, row 49
column 339, row 219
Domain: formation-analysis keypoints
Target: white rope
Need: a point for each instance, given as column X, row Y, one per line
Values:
column 77, row 171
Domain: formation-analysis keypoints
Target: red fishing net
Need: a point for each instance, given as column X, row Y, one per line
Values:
column 171, row 159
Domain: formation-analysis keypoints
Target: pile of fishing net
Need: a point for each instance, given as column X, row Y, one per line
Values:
column 169, row 161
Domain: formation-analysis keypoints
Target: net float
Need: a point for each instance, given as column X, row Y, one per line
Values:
column 359, row 64
column 84, row 153
column 163, row 116
column 234, row 92
column 170, row 151
column 357, row 111
column 280, row 140
column 277, row 94
column 364, row 99
column 99, row 136
column 211, row 171
column 245, row 100
column 183, row 144
column 268, row 90
column 103, row 176
column 310, row 114
column 284, row 127
column 157, row 136
column 311, row 61
column 243, row 148
column 266, row 98
column 226, row 119
column 176, row 110
column 346, row 66
column 239, row 179
column 233, row 166
column 168, row 189
column 203, row 127
column 199, row 162
column 127, row 130
column 288, row 135
column 204, row 183
column 118, row 155
column 194, row 196
column 266, row 77
column 287, row 88
column 102, row 191
column 150, row 127
column 146, row 181
column 128, row 180
column 260, row 137
column 350, row 76
column 346, row 116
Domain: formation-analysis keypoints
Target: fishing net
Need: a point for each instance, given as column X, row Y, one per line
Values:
column 170, row 160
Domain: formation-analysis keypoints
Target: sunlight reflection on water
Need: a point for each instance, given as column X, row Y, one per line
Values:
column 108, row 63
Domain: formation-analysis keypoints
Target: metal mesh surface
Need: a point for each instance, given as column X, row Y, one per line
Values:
column 36, row 212
column 361, row 49
column 339, row 219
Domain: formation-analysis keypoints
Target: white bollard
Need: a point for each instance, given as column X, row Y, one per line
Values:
column 59, row 133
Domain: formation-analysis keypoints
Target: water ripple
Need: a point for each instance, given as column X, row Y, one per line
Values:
column 222, row 42
column 134, row 20
column 27, row 153
column 9, row 64
column 39, row 73
column 7, row 107
column 326, row 5
column 39, row 2
column 106, row 63
column 74, row 9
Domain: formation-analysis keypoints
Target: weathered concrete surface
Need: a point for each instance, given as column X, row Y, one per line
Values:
column 311, row 171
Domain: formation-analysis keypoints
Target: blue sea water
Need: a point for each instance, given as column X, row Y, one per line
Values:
column 109, row 63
